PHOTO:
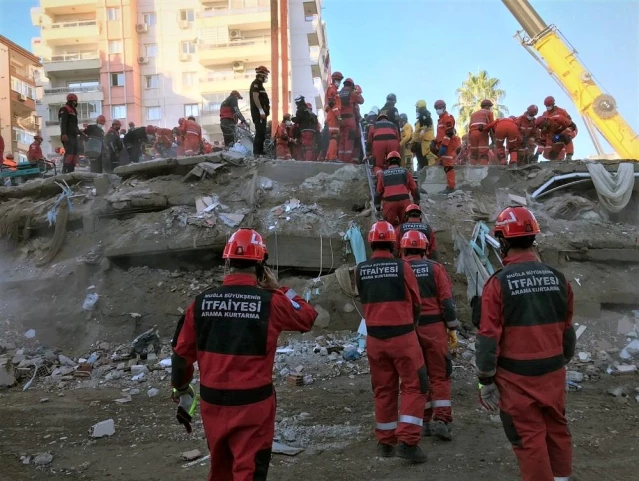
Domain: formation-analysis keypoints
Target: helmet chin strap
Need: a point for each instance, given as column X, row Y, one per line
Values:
column 504, row 246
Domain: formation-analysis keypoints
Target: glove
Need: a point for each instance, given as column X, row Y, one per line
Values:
column 452, row 340
column 442, row 150
column 64, row 138
column 187, row 402
column 489, row 396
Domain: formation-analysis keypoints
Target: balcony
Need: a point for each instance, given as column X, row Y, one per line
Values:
column 71, row 33
column 251, row 50
column 310, row 8
column 85, row 94
column 67, row 7
column 21, row 104
column 242, row 15
column 72, row 63
column 226, row 83
column 319, row 62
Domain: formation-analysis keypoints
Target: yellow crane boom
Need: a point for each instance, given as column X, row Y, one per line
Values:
column 546, row 44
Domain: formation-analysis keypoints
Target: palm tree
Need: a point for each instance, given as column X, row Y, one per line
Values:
column 475, row 89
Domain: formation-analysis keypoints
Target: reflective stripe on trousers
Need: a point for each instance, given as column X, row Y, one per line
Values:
column 403, row 418
column 387, row 426
column 565, row 478
column 438, row 404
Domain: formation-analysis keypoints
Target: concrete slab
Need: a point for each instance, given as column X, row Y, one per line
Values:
column 306, row 253
column 433, row 179
column 295, row 171
column 151, row 166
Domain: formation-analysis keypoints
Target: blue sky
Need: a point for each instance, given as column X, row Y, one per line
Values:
column 425, row 49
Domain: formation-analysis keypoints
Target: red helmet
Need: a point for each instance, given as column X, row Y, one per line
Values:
column 413, row 208
column 245, row 244
column 549, row 101
column 262, row 70
column 309, row 105
column 9, row 156
column 100, row 120
column 349, row 81
column 440, row 104
column 382, row 231
column 337, row 76
column 541, row 122
column 181, row 120
column 235, row 93
column 394, row 157
column 116, row 124
column 486, row 103
column 532, row 110
column 150, row 130
column 516, row 222
column 72, row 97
column 413, row 239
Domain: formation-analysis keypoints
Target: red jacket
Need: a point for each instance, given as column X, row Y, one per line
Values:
column 191, row 128
column 425, row 229
column 436, row 292
column 390, row 295
column 332, row 100
column 35, row 152
column 349, row 98
column 556, row 112
column 282, row 134
column 381, row 129
column 164, row 137
column 445, row 129
column 232, row 330
column 503, row 121
column 526, row 319
column 527, row 128
column 396, row 183
column 481, row 117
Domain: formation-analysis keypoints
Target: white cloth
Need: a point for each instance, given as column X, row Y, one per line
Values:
column 614, row 190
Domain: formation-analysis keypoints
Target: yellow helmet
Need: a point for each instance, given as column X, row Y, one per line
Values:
column 421, row 104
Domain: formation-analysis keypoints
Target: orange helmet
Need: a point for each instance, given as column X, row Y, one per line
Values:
column 394, row 157
column 549, row 101
column 150, row 129
column 245, row 244
column 116, row 124
column 516, row 222
column 382, row 231
column 412, row 209
column 337, row 76
column 309, row 105
column 349, row 81
column 532, row 110
column 100, row 120
column 440, row 104
column 486, row 103
column 262, row 70
column 413, row 239
column 72, row 97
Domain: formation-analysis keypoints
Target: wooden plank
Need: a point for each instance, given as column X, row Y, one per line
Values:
column 601, row 255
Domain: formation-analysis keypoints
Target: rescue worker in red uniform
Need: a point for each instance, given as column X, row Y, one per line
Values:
column 358, row 154
column 282, row 139
column 35, row 151
column 390, row 298
column 230, row 115
column 232, row 332
column 463, row 157
column 529, row 134
column 333, row 116
column 413, row 221
column 524, row 341
column 395, row 185
column 565, row 135
column 311, row 131
column 348, row 98
column 436, row 329
column 446, row 144
column 69, row 132
column 163, row 142
column 192, row 134
column 383, row 138
column 478, row 135
column 505, row 129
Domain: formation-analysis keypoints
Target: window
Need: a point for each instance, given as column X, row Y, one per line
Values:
column 151, row 50
column 152, row 81
column 23, row 88
column 189, row 79
column 115, row 46
column 191, row 109
column 153, row 113
column 187, row 15
column 150, row 19
column 188, row 47
column 113, row 14
column 22, row 136
column 117, row 79
column 118, row 111
column 84, row 85
column 213, row 102
column 86, row 110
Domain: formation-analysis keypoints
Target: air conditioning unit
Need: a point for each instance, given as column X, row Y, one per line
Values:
column 142, row 28
column 22, row 97
column 185, row 57
column 183, row 24
column 235, row 34
column 238, row 66
column 143, row 60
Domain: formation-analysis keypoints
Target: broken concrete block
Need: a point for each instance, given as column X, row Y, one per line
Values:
column 7, row 375
column 43, row 459
column 153, row 392
column 584, row 356
column 139, row 369
column 101, row 185
column 323, row 317
column 102, row 429
column 574, row 376
column 191, row 455
column 518, row 199
column 65, row 361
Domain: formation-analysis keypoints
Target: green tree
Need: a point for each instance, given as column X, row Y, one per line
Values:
column 473, row 90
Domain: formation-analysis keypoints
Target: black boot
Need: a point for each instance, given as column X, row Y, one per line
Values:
column 385, row 450
column 413, row 453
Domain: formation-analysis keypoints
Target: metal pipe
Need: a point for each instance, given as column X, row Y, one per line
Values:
column 275, row 67
column 527, row 16
column 284, row 52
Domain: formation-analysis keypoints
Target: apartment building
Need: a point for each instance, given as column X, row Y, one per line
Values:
column 18, row 121
column 154, row 61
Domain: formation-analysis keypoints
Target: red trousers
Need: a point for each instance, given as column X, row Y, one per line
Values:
column 510, row 132
column 381, row 148
column 240, row 439
column 347, row 139
column 478, row 142
column 394, row 211
column 191, row 145
column 297, row 152
column 333, row 131
column 448, row 161
column 308, row 145
column 392, row 360
column 434, row 342
column 533, row 415
column 282, row 150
